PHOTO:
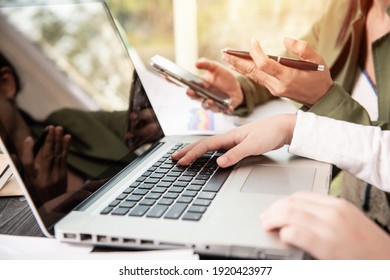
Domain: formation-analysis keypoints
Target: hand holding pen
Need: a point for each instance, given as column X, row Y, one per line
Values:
column 286, row 61
column 304, row 80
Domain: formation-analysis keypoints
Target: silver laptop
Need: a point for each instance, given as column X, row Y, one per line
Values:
column 150, row 202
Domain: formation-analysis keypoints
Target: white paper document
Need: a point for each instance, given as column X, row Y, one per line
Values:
column 41, row 248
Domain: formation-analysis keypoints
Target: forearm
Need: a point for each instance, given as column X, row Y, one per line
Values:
column 360, row 150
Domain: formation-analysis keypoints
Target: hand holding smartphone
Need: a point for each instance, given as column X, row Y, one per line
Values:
column 183, row 77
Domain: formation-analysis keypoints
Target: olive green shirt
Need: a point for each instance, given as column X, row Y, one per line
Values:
column 97, row 139
column 343, row 60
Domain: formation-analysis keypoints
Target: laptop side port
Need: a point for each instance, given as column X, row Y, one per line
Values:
column 129, row 241
column 85, row 237
column 146, row 242
column 101, row 239
column 70, row 236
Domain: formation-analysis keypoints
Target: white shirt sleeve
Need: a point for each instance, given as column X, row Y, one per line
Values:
column 363, row 151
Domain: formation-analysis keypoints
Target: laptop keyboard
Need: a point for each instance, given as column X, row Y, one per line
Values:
column 170, row 191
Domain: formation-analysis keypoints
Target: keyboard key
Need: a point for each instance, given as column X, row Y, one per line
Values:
column 115, row 203
column 206, row 172
column 174, row 174
column 139, row 211
column 207, row 195
column 178, row 168
column 180, row 184
column 147, row 202
column 190, row 193
column 164, row 184
column 152, row 181
column 122, row 196
column 135, row 184
column 128, row 204
column 146, row 186
column 167, row 165
column 171, row 195
column 190, row 173
column 106, row 210
column 128, row 190
column 185, row 178
column 134, row 197
column 190, row 216
column 198, row 182
column 157, row 175
column 169, row 160
column 140, row 179
column 153, row 196
column 217, row 180
column 184, row 199
column 169, row 179
column 202, row 202
column 120, row 211
column 193, row 169
column 165, row 201
column 197, row 209
column 162, row 170
column 175, row 211
column 179, row 145
column 194, row 188
column 176, row 189
column 158, row 190
column 140, row 192
column 202, row 177
column 157, row 211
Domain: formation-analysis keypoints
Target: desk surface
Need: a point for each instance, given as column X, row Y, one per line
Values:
column 16, row 217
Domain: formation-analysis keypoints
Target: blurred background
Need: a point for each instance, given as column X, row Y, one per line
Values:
column 80, row 40
column 185, row 30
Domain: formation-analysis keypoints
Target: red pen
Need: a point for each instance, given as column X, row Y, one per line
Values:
column 286, row 61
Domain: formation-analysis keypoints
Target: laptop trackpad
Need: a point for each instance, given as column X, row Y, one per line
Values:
column 284, row 180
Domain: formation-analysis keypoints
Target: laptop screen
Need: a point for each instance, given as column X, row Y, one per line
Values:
column 75, row 73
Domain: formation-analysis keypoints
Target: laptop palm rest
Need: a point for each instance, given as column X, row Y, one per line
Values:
column 282, row 180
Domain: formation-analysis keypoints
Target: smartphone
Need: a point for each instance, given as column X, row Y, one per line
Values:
column 186, row 78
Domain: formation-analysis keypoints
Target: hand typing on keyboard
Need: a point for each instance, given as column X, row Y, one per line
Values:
column 167, row 190
column 252, row 139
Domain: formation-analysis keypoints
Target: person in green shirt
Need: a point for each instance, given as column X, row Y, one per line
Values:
column 353, row 36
